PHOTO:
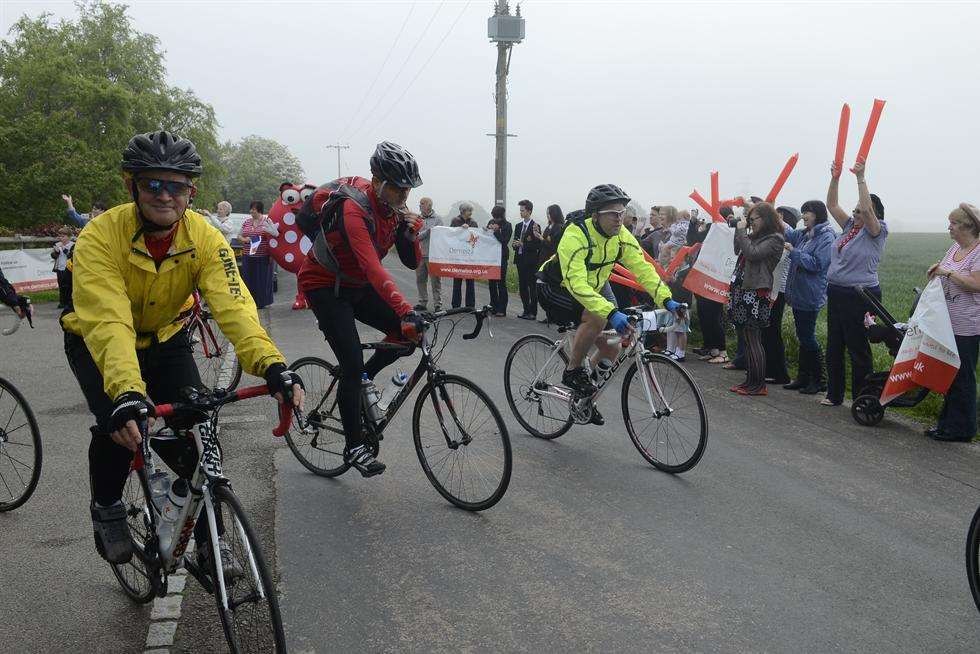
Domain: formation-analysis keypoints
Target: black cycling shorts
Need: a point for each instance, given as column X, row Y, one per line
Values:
column 563, row 309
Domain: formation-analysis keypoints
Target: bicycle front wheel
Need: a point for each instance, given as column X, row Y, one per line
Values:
column 137, row 577
column 318, row 442
column 668, row 426
column 973, row 557
column 527, row 381
column 249, row 609
column 20, row 448
column 462, row 442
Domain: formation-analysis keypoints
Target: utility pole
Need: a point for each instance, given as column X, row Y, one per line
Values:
column 338, row 147
column 504, row 30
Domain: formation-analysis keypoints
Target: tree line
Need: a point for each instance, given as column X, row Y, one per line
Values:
column 73, row 92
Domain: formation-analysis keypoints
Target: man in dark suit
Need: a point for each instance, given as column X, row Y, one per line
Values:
column 527, row 248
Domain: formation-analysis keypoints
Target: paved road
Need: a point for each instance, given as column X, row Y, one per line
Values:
column 798, row 531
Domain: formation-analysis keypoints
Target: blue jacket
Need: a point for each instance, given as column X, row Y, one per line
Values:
column 806, row 285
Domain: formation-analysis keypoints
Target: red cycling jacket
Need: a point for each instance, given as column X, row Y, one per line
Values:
column 359, row 253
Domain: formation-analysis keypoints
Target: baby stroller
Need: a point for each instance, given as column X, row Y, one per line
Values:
column 867, row 410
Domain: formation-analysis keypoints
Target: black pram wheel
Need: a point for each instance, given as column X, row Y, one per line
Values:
column 867, row 411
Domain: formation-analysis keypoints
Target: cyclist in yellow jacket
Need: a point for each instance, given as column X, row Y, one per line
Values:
column 134, row 266
column 570, row 283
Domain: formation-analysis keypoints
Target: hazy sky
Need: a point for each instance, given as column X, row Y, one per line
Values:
column 651, row 96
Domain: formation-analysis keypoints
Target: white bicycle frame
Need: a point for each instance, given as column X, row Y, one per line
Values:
column 635, row 349
column 207, row 474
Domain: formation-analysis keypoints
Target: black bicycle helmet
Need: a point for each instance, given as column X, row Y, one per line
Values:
column 602, row 195
column 161, row 151
column 394, row 164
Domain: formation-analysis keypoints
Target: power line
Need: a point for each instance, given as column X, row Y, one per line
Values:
column 384, row 63
column 445, row 36
column 404, row 63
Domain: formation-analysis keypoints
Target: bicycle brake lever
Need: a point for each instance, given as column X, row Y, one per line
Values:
column 481, row 315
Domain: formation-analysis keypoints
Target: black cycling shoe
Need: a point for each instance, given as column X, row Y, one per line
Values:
column 361, row 459
column 112, row 539
column 597, row 418
column 579, row 381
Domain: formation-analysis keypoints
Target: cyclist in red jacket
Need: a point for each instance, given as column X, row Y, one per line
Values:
column 363, row 290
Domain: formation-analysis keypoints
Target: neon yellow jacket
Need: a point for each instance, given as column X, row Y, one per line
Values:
column 584, row 276
column 122, row 303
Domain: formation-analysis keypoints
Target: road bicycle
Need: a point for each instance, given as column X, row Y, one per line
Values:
column 973, row 557
column 161, row 521
column 460, row 438
column 20, row 441
column 662, row 406
column 214, row 354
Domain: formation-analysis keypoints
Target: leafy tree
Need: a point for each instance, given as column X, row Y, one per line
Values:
column 72, row 93
column 255, row 167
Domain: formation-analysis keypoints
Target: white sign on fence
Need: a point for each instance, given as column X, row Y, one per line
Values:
column 28, row 270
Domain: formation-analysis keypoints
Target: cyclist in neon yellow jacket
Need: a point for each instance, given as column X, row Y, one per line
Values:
column 570, row 283
column 134, row 266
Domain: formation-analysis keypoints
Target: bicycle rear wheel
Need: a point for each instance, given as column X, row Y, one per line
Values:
column 670, row 427
column 462, row 442
column 541, row 415
column 973, row 557
column 20, row 448
column 137, row 576
column 251, row 620
column 320, row 450
column 214, row 354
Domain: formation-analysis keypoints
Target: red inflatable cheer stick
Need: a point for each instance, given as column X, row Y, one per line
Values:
column 620, row 270
column 783, row 176
column 845, row 119
column 623, row 281
column 869, row 132
column 734, row 202
column 715, row 197
column 712, row 211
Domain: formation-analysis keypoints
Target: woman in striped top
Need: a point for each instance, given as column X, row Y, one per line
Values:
column 960, row 270
column 256, row 264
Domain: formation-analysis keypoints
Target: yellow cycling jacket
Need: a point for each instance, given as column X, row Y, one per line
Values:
column 122, row 303
column 585, row 267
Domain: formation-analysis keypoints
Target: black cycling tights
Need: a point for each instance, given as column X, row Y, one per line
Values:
column 166, row 368
column 335, row 314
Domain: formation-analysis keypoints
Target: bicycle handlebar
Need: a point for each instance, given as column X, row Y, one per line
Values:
column 209, row 402
column 481, row 315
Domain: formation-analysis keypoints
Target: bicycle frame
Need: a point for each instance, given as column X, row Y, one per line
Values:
column 207, row 474
column 634, row 350
column 426, row 366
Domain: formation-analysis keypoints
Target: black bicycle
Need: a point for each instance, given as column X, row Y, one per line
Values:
column 973, row 557
column 20, row 438
column 460, row 438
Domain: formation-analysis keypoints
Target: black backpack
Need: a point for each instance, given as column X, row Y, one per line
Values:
column 316, row 225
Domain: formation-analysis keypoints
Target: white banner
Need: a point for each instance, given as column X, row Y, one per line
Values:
column 712, row 272
column 464, row 252
column 928, row 355
column 29, row 270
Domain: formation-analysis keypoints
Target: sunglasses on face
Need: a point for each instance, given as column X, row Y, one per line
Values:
column 158, row 186
column 613, row 213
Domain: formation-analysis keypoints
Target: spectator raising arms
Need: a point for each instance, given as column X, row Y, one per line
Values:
column 78, row 219
column 854, row 261
column 960, row 271
column 221, row 220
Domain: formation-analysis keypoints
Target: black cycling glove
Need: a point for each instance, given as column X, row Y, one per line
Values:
column 280, row 379
column 130, row 406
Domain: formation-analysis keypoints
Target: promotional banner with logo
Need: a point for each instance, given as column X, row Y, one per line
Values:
column 464, row 252
column 28, row 270
column 712, row 272
column 928, row 356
